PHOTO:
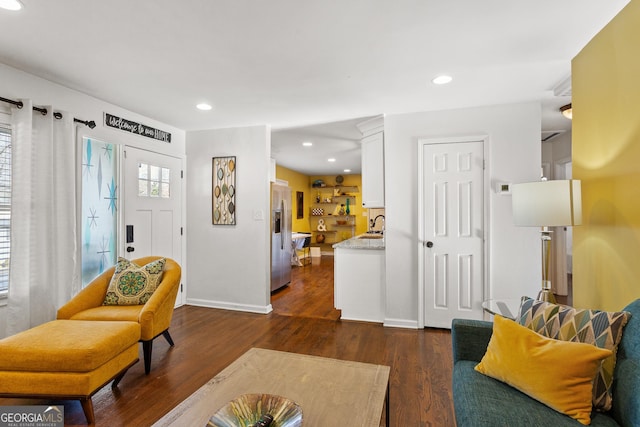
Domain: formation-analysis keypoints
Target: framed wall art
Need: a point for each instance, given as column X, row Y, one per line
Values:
column 224, row 191
column 299, row 205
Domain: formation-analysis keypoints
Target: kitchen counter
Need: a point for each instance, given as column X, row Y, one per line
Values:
column 359, row 279
column 361, row 243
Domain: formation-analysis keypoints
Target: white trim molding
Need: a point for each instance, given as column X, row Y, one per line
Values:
column 260, row 309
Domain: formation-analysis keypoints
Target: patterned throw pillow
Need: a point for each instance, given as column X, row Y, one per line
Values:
column 132, row 284
column 600, row 328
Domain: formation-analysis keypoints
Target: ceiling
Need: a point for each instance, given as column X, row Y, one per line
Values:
column 338, row 140
column 293, row 63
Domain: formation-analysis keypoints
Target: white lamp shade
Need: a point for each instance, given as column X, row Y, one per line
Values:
column 547, row 203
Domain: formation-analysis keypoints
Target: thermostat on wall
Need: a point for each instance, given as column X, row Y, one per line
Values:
column 503, row 188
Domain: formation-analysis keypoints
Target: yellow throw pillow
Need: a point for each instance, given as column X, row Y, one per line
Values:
column 556, row 373
column 600, row 328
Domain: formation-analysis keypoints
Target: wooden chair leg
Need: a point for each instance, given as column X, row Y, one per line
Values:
column 167, row 336
column 87, row 407
column 117, row 379
column 147, row 347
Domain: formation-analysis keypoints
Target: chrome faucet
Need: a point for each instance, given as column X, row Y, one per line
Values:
column 373, row 223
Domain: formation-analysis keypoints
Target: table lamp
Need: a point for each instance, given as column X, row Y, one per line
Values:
column 547, row 204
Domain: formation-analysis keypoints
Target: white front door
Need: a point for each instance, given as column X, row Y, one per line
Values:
column 452, row 231
column 153, row 206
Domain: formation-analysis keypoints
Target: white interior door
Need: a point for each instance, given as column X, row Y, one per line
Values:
column 452, row 231
column 153, row 206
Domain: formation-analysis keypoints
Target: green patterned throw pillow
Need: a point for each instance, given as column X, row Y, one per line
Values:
column 600, row 328
column 132, row 284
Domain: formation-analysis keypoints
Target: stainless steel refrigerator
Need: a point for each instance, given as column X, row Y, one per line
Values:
column 280, row 236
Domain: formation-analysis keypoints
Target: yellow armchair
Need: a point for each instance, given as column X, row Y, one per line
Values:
column 154, row 317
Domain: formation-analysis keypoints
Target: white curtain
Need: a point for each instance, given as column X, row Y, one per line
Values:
column 44, row 268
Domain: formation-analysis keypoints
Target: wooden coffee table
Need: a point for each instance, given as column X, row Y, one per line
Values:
column 331, row 392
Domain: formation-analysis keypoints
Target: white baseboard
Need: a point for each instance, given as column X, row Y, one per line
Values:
column 401, row 323
column 359, row 319
column 390, row 323
column 260, row 309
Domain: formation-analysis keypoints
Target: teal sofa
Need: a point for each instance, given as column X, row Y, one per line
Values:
column 483, row 401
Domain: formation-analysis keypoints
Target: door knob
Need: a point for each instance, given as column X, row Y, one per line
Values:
column 130, row 249
column 429, row 244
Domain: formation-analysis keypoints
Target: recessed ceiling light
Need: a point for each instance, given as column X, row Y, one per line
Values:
column 307, row 143
column 347, row 170
column 202, row 106
column 10, row 4
column 331, row 159
column 442, row 80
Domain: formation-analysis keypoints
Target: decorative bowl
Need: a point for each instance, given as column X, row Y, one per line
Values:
column 341, row 221
column 246, row 410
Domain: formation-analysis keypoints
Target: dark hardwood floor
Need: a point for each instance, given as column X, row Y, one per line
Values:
column 207, row 340
column 310, row 293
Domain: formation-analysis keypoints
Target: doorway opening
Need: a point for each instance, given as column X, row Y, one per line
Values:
column 557, row 164
column 562, row 245
column 325, row 189
column 310, row 292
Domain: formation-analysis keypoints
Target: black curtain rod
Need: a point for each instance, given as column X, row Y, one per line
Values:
column 44, row 112
column 19, row 104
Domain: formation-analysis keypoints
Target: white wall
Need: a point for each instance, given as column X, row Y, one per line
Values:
column 16, row 84
column 229, row 266
column 562, row 146
column 556, row 150
column 513, row 155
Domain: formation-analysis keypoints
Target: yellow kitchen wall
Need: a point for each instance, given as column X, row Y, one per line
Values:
column 301, row 182
column 297, row 182
column 606, row 157
column 355, row 206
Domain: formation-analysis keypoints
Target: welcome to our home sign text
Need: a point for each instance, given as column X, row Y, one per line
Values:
column 138, row 128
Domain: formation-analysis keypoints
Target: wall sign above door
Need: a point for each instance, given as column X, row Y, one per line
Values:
column 138, row 128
